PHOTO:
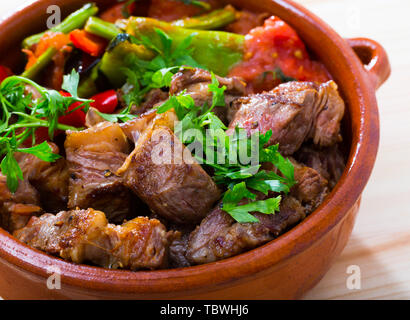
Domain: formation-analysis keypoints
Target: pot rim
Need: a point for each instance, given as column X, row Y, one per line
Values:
column 363, row 152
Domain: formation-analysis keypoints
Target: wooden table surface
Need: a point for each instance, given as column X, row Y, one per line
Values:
column 380, row 243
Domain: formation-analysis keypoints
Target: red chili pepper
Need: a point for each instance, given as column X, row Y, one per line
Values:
column 88, row 42
column 105, row 102
column 41, row 135
column 75, row 118
column 4, row 73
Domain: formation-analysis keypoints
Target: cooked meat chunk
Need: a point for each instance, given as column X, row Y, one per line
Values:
column 151, row 99
column 92, row 118
column 295, row 112
column 133, row 129
column 329, row 162
column 291, row 212
column 138, row 244
column 246, row 21
column 196, row 82
column 164, row 174
column 85, row 236
column 49, row 178
column 177, row 251
column 94, row 155
column 311, row 188
column 330, row 113
column 219, row 236
column 16, row 209
column 45, row 185
column 68, row 234
column 179, row 245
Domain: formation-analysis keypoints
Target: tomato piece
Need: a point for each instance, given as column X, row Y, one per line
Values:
column 272, row 47
column 87, row 42
column 74, row 118
column 4, row 73
column 105, row 102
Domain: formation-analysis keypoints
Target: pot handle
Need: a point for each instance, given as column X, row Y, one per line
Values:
column 374, row 59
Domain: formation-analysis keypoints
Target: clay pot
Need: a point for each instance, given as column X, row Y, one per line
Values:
column 282, row 269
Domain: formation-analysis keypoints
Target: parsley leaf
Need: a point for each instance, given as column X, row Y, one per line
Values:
column 11, row 169
column 70, row 83
column 142, row 75
column 28, row 115
column 218, row 97
column 116, row 117
column 241, row 212
column 42, row 151
column 228, row 155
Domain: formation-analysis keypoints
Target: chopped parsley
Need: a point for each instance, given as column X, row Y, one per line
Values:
column 22, row 115
column 222, row 153
column 144, row 75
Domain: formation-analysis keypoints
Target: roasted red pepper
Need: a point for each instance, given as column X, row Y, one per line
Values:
column 4, row 73
column 74, row 118
column 88, row 42
column 117, row 11
column 106, row 101
column 41, row 135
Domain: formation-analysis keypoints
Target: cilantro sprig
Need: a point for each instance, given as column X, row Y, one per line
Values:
column 242, row 180
column 22, row 115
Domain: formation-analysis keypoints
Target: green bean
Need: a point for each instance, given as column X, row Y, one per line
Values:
column 101, row 28
column 74, row 21
column 213, row 20
column 217, row 51
column 41, row 63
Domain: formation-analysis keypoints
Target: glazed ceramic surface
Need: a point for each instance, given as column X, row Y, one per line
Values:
column 282, row 269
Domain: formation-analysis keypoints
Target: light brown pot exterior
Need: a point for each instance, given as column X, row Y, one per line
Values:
column 283, row 269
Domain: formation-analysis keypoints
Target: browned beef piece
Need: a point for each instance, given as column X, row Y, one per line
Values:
column 329, row 162
column 133, row 129
column 85, row 236
column 177, row 251
column 196, row 81
column 45, row 185
column 49, row 178
column 16, row 209
column 291, row 212
column 246, row 21
column 92, row 118
column 219, row 236
column 311, row 188
column 151, row 99
column 295, row 112
column 179, row 245
column 164, row 174
column 94, row 155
